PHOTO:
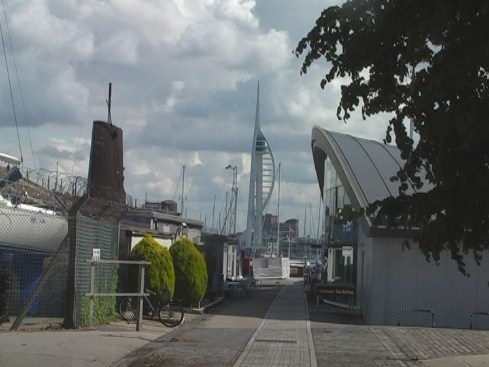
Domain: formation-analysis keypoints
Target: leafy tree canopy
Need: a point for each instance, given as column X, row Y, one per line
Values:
column 424, row 62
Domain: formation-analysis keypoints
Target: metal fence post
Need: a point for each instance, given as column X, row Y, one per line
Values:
column 92, row 290
column 140, row 297
column 475, row 314
column 140, row 294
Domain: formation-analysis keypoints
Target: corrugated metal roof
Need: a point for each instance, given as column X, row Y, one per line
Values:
column 365, row 166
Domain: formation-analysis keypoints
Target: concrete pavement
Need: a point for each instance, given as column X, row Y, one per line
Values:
column 388, row 346
column 465, row 361
column 293, row 333
column 79, row 348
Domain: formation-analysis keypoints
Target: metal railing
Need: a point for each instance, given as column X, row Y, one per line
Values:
column 140, row 293
column 476, row 314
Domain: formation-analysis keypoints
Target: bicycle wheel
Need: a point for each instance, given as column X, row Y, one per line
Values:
column 128, row 308
column 171, row 313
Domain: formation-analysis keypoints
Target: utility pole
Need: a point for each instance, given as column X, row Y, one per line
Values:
column 289, row 242
column 109, row 105
column 233, row 202
column 235, row 192
column 183, row 189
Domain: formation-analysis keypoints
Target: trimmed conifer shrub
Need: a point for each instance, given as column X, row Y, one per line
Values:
column 190, row 272
column 160, row 275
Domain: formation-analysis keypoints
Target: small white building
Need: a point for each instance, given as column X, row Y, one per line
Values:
column 165, row 227
column 392, row 283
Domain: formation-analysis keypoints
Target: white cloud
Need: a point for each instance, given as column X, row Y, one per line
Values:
column 47, row 33
column 239, row 12
column 159, row 22
column 184, row 76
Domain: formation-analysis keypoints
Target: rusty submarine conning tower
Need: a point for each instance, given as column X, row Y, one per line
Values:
column 106, row 197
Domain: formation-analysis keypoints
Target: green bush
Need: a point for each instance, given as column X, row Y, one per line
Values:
column 160, row 275
column 104, row 309
column 190, row 272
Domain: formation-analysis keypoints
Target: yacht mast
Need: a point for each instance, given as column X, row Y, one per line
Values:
column 278, row 210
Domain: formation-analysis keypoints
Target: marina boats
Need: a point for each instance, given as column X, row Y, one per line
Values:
column 25, row 226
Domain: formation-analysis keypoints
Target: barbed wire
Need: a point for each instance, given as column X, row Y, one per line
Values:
column 53, row 189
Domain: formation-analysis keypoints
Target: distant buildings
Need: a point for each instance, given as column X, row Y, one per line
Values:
column 288, row 230
column 166, row 225
column 162, row 220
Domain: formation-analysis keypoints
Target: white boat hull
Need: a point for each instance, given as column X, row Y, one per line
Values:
column 30, row 229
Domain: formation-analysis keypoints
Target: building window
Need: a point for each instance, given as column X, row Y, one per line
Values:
column 339, row 229
column 340, row 265
column 338, row 210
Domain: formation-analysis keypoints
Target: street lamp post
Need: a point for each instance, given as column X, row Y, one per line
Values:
column 289, row 242
column 233, row 203
column 234, row 199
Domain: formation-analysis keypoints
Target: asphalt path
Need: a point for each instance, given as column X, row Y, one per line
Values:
column 216, row 338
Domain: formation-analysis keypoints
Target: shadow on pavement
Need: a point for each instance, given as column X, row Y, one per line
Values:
column 328, row 313
column 333, row 314
column 256, row 305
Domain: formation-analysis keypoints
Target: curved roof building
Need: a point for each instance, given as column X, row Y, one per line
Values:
column 386, row 281
column 363, row 167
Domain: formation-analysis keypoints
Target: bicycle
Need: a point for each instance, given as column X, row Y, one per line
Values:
column 169, row 311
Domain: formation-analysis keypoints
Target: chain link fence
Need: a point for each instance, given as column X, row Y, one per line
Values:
column 45, row 242
column 34, row 251
column 95, row 234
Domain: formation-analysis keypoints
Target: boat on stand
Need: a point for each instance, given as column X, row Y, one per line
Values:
column 26, row 226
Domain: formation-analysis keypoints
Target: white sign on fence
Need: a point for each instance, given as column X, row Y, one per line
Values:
column 96, row 254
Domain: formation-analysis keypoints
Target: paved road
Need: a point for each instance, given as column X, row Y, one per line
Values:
column 238, row 333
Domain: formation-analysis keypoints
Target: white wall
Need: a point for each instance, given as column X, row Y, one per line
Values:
column 230, row 259
column 364, row 275
column 163, row 242
column 194, row 234
column 271, row 267
column 394, row 278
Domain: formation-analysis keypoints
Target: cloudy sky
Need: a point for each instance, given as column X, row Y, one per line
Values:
column 184, row 77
